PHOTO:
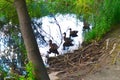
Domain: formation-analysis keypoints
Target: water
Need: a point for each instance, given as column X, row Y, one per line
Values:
column 50, row 26
column 65, row 22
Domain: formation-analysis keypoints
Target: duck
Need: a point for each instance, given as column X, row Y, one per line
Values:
column 73, row 33
column 86, row 26
column 66, row 39
column 67, row 42
column 53, row 48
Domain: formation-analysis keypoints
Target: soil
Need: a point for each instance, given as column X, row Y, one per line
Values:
column 99, row 60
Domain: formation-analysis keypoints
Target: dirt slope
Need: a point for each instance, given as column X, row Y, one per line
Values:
column 111, row 70
column 97, row 61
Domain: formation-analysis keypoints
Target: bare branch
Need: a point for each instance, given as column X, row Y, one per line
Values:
column 59, row 29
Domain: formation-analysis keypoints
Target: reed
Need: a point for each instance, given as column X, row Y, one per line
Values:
column 108, row 15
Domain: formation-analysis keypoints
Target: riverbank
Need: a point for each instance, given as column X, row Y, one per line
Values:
column 96, row 61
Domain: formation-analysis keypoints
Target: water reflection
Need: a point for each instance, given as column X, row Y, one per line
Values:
column 52, row 28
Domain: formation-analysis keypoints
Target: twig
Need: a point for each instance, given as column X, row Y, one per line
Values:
column 114, row 46
column 107, row 43
column 33, row 22
column 88, row 47
column 71, row 64
column 59, row 29
column 80, row 59
column 115, row 58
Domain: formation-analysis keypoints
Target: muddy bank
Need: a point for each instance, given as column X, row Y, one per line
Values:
column 91, row 61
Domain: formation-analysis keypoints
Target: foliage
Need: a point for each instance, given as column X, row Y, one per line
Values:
column 108, row 15
column 30, row 75
column 7, row 12
column 64, row 6
column 18, row 40
column 13, row 46
column 84, row 8
column 36, row 9
column 2, row 73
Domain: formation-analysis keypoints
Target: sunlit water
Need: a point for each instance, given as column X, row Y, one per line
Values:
column 65, row 21
column 51, row 28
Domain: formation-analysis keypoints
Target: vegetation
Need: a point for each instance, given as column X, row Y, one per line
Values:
column 30, row 75
column 107, row 16
column 3, row 73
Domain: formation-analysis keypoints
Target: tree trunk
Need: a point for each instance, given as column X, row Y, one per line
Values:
column 33, row 53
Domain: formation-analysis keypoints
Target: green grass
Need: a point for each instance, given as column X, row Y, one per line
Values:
column 109, row 14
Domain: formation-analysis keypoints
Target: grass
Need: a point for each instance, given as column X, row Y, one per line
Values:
column 108, row 16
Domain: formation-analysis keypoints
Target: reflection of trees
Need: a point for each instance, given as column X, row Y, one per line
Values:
column 12, row 50
column 39, row 33
column 9, row 49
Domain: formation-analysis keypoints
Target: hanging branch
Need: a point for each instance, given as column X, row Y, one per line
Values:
column 59, row 29
column 42, row 30
column 49, row 30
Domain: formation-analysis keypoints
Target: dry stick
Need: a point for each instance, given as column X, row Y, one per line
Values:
column 105, row 56
column 101, row 58
column 114, row 46
column 64, row 59
column 67, row 60
column 90, row 62
column 80, row 59
column 88, row 47
column 59, row 29
column 96, row 64
column 71, row 64
column 107, row 43
column 81, row 56
column 115, row 58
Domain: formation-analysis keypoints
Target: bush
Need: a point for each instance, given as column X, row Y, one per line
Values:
column 30, row 75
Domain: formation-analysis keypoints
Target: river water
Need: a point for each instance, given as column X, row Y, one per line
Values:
column 65, row 22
